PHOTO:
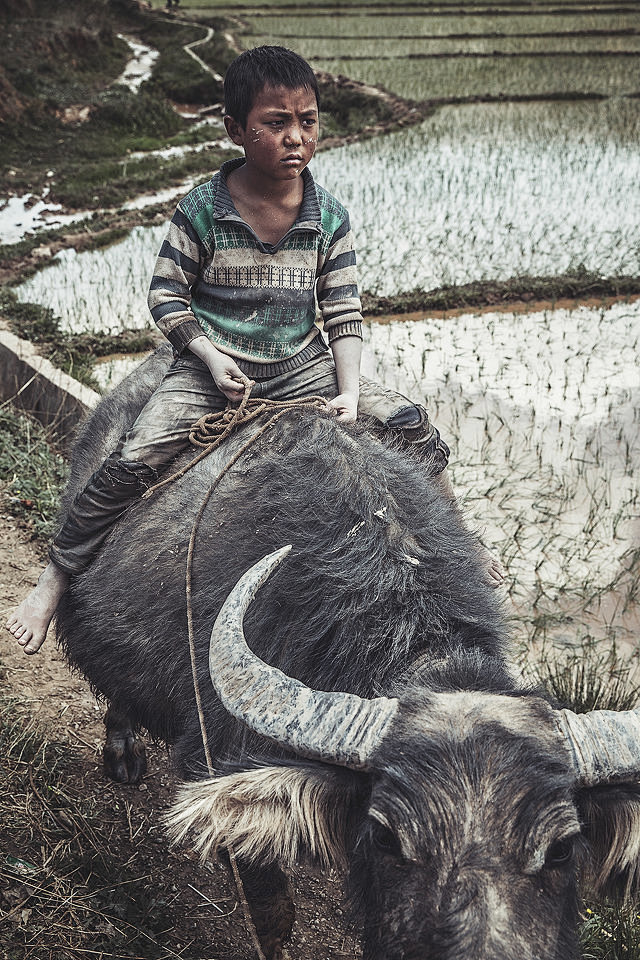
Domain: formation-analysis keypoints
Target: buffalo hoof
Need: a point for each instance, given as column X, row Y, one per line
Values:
column 273, row 925
column 123, row 756
column 270, row 900
column 125, row 759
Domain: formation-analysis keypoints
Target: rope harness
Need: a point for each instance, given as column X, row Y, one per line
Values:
column 208, row 433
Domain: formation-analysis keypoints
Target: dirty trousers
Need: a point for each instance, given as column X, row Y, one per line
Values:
column 162, row 429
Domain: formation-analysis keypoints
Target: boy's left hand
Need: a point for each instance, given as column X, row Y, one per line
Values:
column 344, row 407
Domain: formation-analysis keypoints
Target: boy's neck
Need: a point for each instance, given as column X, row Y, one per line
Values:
column 269, row 208
column 254, row 187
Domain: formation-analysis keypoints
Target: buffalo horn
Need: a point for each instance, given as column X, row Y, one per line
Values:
column 604, row 744
column 334, row 727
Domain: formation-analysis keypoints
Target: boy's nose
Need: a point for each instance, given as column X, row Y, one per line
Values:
column 294, row 135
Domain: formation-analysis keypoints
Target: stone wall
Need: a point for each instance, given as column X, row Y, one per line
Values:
column 34, row 385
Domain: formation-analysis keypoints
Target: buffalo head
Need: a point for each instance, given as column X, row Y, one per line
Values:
column 465, row 818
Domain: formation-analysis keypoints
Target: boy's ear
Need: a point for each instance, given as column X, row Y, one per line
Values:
column 234, row 131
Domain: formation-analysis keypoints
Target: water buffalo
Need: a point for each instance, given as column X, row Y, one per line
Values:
column 382, row 730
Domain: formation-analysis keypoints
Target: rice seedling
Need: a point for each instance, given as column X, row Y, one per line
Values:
column 349, row 49
column 545, row 471
column 594, row 677
column 374, row 22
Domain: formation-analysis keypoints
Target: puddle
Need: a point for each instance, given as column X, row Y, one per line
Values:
column 24, row 215
column 140, row 66
column 169, row 153
column 110, row 371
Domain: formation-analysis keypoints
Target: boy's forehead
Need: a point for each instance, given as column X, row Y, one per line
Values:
column 300, row 99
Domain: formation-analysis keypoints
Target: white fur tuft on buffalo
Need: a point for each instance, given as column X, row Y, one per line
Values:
column 282, row 813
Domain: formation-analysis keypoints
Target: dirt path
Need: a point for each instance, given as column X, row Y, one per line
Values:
column 202, row 919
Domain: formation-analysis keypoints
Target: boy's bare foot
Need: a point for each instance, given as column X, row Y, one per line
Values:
column 30, row 621
column 493, row 569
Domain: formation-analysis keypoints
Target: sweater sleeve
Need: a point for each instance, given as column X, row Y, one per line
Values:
column 337, row 286
column 177, row 267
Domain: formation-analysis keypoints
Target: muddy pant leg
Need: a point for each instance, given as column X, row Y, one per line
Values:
column 112, row 488
column 161, row 432
column 158, row 435
column 399, row 417
column 391, row 413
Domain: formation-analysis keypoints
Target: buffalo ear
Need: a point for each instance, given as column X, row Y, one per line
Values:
column 290, row 813
column 611, row 825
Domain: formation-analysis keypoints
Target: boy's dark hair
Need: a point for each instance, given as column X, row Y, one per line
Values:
column 263, row 67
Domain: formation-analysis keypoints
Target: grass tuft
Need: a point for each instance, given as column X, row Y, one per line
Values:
column 610, row 932
column 32, row 474
column 75, row 353
column 593, row 678
column 74, row 880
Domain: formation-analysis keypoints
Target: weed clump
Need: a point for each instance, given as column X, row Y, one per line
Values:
column 32, row 474
column 593, row 678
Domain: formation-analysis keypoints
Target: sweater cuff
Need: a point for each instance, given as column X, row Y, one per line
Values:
column 350, row 328
column 182, row 335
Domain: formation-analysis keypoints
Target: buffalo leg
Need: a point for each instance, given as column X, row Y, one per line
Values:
column 269, row 896
column 123, row 756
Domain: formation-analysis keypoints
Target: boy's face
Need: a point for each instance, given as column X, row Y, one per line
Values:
column 281, row 132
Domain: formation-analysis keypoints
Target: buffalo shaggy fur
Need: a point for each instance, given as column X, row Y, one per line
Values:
column 466, row 836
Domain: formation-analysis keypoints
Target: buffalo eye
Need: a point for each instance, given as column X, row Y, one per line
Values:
column 560, row 853
column 385, row 840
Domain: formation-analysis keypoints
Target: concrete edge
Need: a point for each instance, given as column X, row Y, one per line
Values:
column 32, row 384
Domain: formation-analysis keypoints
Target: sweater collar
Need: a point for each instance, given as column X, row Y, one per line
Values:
column 308, row 216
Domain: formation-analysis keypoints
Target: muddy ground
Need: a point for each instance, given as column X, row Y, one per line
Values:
column 201, row 918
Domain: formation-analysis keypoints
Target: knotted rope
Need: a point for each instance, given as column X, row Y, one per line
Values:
column 208, row 433
column 211, row 430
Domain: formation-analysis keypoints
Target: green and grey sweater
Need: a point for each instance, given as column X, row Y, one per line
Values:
column 256, row 301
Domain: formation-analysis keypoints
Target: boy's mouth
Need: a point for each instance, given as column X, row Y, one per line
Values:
column 292, row 159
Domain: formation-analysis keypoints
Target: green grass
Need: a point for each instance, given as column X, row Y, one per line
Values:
column 610, row 932
column 32, row 474
column 202, row 8
column 453, row 78
column 406, row 46
column 489, row 292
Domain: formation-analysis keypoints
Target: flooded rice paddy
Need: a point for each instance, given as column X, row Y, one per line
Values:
column 494, row 191
column 430, row 52
column 475, row 192
column 542, row 412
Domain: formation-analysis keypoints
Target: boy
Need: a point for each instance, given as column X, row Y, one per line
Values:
column 234, row 291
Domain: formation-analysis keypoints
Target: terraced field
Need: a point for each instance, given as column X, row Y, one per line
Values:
column 444, row 51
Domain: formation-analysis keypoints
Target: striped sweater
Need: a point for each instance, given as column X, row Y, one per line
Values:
column 256, row 301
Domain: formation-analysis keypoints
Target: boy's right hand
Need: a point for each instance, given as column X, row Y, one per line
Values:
column 229, row 378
